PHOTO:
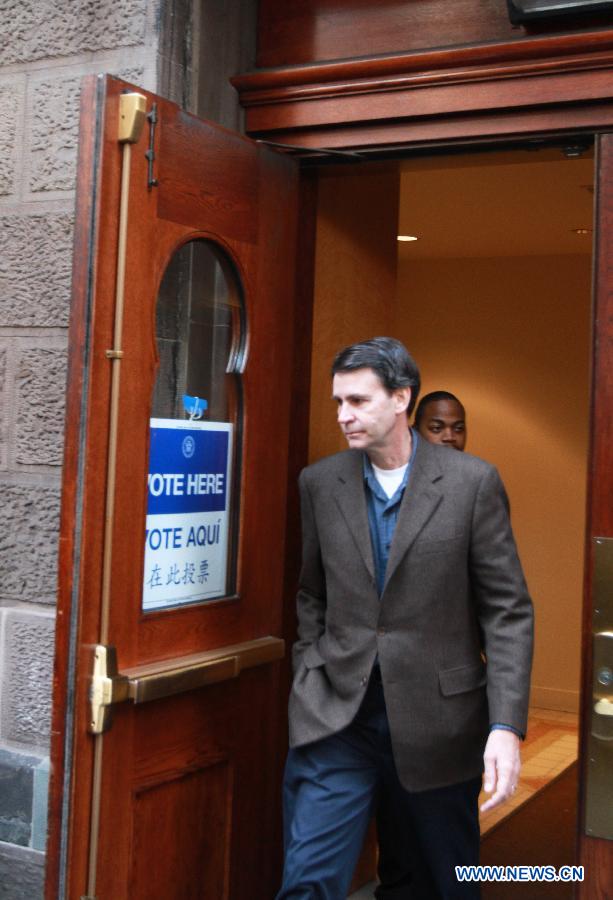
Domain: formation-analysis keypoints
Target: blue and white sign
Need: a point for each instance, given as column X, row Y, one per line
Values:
column 188, row 505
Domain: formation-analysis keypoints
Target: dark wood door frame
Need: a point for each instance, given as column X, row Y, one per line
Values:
column 542, row 88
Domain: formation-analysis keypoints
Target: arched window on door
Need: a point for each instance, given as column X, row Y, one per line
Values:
column 195, row 432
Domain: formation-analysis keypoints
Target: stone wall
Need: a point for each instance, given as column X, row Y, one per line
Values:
column 45, row 49
column 185, row 50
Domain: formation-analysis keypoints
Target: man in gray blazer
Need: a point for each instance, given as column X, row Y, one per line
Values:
column 412, row 664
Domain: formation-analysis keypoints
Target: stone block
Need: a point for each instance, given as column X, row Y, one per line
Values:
column 16, row 793
column 54, row 135
column 45, row 29
column 29, row 521
column 26, row 678
column 22, row 873
column 35, row 269
column 4, row 405
column 10, row 111
column 40, row 398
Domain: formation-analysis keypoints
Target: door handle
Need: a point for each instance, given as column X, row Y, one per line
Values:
column 602, row 686
column 153, row 681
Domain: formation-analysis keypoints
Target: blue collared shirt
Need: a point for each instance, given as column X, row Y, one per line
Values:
column 383, row 514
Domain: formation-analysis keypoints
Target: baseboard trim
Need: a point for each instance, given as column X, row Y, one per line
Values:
column 554, row 698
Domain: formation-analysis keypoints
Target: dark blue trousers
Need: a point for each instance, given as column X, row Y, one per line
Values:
column 330, row 791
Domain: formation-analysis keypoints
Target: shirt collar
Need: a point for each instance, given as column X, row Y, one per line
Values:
column 369, row 473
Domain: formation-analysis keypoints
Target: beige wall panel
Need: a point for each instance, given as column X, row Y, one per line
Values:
column 511, row 338
column 355, row 280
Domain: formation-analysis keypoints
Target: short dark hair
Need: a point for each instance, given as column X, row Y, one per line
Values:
column 433, row 397
column 390, row 361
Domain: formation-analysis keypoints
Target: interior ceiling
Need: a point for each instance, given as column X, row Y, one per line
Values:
column 519, row 203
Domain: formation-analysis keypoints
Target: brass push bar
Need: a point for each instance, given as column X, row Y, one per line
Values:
column 142, row 684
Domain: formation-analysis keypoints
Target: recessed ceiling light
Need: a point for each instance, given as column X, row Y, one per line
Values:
column 407, row 237
column 581, row 230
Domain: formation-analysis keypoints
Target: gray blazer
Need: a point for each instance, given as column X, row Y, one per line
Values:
column 454, row 596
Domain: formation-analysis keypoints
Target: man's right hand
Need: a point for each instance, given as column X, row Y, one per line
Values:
column 502, row 767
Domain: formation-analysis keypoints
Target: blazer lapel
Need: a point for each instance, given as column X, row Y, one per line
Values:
column 350, row 496
column 421, row 497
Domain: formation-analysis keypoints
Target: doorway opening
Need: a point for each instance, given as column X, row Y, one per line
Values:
column 493, row 298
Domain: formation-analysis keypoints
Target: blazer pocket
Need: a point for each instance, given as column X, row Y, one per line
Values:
column 312, row 658
column 462, row 679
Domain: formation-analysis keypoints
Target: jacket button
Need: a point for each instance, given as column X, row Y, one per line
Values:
column 363, row 680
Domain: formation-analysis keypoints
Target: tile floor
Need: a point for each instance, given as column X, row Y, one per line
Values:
column 550, row 747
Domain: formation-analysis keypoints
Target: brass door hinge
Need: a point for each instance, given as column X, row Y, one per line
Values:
column 108, row 687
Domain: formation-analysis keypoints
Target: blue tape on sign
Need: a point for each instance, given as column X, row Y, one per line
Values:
column 194, row 406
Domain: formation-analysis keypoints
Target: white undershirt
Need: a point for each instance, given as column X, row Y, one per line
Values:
column 389, row 479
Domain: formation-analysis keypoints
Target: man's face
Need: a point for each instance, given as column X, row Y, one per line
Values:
column 443, row 422
column 369, row 416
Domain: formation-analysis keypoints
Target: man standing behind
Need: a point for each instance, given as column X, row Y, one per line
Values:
column 441, row 419
column 408, row 560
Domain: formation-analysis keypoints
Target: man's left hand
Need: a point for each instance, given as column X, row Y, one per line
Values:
column 502, row 767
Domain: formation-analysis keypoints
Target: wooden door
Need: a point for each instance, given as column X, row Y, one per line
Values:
column 178, row 796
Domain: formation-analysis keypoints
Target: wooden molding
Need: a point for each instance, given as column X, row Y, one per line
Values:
column 492, row 77
column 553, row 50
